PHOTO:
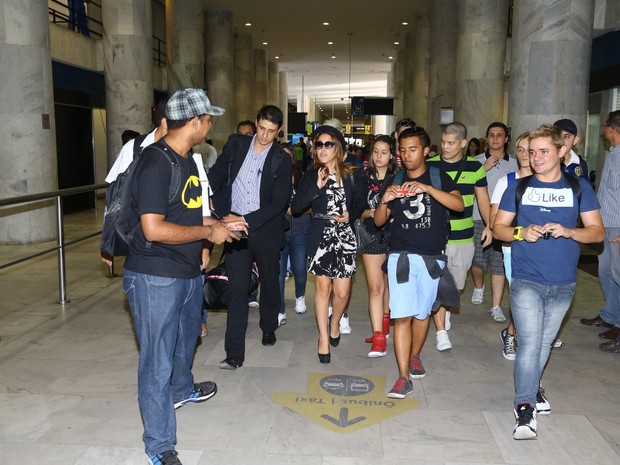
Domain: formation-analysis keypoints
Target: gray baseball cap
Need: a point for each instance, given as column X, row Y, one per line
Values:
column 188, row 103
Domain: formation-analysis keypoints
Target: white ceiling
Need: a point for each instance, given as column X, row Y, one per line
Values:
column 295, row 32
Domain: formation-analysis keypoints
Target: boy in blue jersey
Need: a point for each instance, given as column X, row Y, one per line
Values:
column 573, row 163
column 545, row 252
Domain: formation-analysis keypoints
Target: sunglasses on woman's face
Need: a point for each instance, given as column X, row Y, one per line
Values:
column 328, row 145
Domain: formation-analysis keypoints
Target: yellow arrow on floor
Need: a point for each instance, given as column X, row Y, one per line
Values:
column 344, row 403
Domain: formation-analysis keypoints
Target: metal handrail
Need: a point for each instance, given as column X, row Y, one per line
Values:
column 61, row 244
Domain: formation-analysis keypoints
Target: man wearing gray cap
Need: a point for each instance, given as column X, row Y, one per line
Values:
column 162, row 271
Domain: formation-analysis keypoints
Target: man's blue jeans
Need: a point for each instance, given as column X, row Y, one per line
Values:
column 166, row 316
column 295, row 247
column 609, row 277
column 538, row 311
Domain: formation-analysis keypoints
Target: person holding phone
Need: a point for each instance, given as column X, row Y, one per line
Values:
column 328, row 189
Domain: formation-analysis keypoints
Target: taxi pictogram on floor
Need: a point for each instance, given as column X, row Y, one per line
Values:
column 344, row 403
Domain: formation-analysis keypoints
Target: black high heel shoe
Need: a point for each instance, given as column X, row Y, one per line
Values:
column 325, row 358
column 333, row 341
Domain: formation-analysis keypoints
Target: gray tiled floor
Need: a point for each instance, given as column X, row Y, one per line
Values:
column 68, row 384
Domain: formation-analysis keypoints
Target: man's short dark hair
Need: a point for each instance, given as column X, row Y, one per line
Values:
column 613, row 120
column 272, row 114
column 418, row 132
column 160, row 111
column 129, row 134
column 497, row 124
column 405, row 122
column 247, row 122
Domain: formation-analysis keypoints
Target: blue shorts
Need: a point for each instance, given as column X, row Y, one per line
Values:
column 414, row 298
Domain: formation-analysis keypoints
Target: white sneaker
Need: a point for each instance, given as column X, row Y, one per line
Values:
column 477, row 296
column 281, row 319
column 253, row 304
column 447, row 323
column 497, row 314
column 443, row 341
column 345, row 327
column 300, row 304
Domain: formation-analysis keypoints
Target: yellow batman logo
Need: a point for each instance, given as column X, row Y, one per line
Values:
column 191, row 183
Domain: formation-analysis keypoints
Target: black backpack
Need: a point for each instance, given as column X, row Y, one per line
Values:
column 121, row 220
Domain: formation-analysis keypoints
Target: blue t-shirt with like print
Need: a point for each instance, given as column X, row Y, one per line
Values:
column 548, row 261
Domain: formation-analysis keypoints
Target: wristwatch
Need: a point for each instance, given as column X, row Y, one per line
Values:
column 517, row 233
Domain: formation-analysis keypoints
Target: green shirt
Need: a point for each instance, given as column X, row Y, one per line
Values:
column 472, row 175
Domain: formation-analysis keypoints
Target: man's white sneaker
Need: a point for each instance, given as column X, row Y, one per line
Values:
column 477, row 296
column 443, row 341
column 526, row 427
column 300, row 304
column 447, row 324
column 281, row 319
column 497, row 314
column 345, row 327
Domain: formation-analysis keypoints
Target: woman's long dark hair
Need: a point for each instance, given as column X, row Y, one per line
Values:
column 371, row 171
column 297, row 171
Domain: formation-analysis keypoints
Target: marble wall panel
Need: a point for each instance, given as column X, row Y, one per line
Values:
column 243, row 77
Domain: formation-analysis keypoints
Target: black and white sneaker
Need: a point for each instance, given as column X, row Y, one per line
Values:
column 526, row 422
column 508, row 345
column 543, row 407
column 202, row 391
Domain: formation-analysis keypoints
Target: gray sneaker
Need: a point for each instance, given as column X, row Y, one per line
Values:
column 416, row 369
column 402, row 388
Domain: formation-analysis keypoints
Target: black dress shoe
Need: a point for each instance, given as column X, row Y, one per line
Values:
column 334, row 341
column 269, row 338
column 596, row 322
column 231, row 362
column 325, row 358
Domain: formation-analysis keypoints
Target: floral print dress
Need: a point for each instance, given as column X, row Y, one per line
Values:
column 335, row 256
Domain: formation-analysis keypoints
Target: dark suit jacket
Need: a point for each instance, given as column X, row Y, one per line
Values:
column 275, row 186
column 309, row 194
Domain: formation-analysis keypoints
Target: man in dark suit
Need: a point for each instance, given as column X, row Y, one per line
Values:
column 251, row 180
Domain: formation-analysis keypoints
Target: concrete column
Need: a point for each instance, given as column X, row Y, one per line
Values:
column 480, row 58
column 442, row 63
column 406, row 57
column 273, row 83
column 391, row 92
column 127, row 44
column 244, row 79
column 185, row 44
column 283, row 100
column 260, row 79
column 399, row 82
column 420, row 59
column 27, row 127
column 550, row 63
column 219, row 73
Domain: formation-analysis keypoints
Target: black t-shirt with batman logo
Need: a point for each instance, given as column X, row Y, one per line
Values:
column 150, row 192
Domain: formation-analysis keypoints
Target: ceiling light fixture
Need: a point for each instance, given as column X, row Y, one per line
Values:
column 248, row 24
column 396, row 43
column 325, row 23
column 277, row 57
column 389, row 58
column 265, row 43
column 405, row 23
column 330, row 43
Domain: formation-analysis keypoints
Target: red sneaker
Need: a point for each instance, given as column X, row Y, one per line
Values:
column 379, row 346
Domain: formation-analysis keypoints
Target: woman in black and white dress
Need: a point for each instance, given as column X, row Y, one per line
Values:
column 327, row 188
